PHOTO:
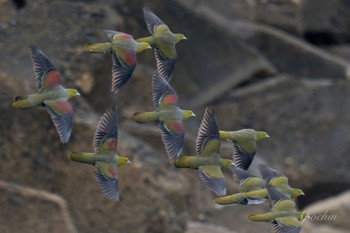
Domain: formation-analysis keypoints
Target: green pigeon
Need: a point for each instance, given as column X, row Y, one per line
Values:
column 247, row 183
column 123, row 48
column 163, row 41
column 168, row 115
column 51, row 95
column 105, row 158
column 244, row 143
column 207, row 161
column 283, row 215
column 279, row 181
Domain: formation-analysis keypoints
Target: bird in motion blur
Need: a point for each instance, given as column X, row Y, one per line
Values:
column 284, row 216
column 105, row 158
column 163, row 41
column 51, row 94
column 123, row 48
column 244, row 145
column 207, row 161
column 247, row 183
column 168, row 115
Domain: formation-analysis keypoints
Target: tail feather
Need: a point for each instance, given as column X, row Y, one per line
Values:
column 22, row 102
column 82, row 157
column 237, row 198
column 145, row 117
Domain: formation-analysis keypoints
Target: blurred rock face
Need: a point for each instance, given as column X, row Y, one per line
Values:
column 239, row 57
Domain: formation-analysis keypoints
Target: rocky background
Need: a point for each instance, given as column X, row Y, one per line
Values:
column 276, row 65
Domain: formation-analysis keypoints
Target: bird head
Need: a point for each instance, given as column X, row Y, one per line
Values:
column 261, row 135
column 180, row 37
column 123, row 160
column 297, row 193
column 228, row 163
column 72, row 93
column 188, row 114
column 143, row 46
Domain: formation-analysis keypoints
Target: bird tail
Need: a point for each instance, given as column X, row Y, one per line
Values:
column 237, row 198
column 148, row 40
column 22, row 102
column 83, row 157
column 144, row 117
column 267, row 217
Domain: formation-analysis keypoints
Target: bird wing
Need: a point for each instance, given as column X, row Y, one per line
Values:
column 98, row 47
column 122, row 69
column 152, row 20
column 241, row 158
column 208, row 139
column 286, row 225
column 110, row 34
column 61, row 113
column 173, row 133
column 268, row 173
column 106, row 135
column 107, row 177
column 247, row 182
column 163, row 93
column 165, row 61
column 275, row 197
column 213, row 177
column 46, row 74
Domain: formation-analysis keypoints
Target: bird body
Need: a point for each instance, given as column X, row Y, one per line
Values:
column 105, row 158
column 245, row 145
column 51, row 94
column 168, row 115
column 163, row 41
column 251, row 189
column 123, row 48
column 207, row 161
column 279, row 181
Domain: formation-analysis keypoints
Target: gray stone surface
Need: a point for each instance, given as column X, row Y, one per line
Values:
column 25, row 209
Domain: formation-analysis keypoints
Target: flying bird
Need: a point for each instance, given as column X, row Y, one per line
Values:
column 283, row 215
column 279, row 181
column 163, row 41
column 247, row 184
column 51, row 94
column 207, row 161
column 123, row 48
column 244, row 143
column 168, row 115
column 105, row 158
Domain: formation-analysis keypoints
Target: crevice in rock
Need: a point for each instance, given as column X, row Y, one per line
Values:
column 320, row 192
column 320, row 38
column 19, row 4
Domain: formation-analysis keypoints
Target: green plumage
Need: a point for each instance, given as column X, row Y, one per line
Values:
column 245, row 147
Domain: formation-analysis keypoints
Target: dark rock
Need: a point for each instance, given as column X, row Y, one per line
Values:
column 287, row 53
column 325, row 22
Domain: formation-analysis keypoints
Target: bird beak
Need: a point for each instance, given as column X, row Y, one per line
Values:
column 302, row 193
column 185, row 38
column 194, row 115
column 267, row 136
column 148, row 47
column 129, row 161
column 78, row 94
